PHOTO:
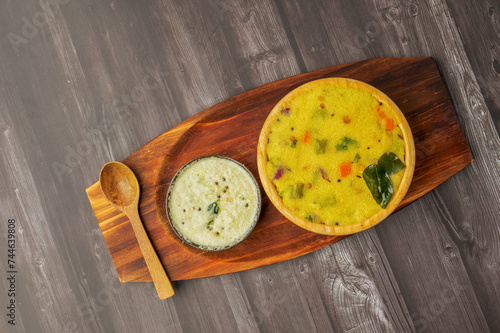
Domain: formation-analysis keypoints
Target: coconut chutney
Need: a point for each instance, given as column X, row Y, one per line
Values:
column 213, row 203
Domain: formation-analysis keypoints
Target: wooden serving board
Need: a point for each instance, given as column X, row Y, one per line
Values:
column 232, row 128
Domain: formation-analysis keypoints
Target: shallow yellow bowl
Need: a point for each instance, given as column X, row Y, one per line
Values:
column 321, row 228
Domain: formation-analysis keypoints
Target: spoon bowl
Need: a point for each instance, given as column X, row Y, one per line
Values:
column 121, row 188
column 119, row 184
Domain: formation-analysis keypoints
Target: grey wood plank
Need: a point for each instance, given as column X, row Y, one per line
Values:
column 258, row 43
column 278, row 303
column 35, row 238
column 480, row 41
column 480, row 38
column 307, row 31
column 359, row 285
column 239, row 303
column 440, row 296
column 478, row 226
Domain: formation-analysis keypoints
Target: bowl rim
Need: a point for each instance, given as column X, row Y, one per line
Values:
column 169, row 191
column 321, row 228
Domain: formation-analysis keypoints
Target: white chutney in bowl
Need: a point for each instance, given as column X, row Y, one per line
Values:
column 213, row 202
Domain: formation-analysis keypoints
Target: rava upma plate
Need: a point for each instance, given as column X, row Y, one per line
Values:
column 336, row 156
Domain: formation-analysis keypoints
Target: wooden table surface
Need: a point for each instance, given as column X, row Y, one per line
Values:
column 86, row 82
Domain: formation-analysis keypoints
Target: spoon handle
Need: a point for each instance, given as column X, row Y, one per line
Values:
column 160, row 279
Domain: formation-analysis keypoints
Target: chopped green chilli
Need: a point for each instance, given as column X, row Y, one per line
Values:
column 320, row 146
column 297, row 191
column 346, row 142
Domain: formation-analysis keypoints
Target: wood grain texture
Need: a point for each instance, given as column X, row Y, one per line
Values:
column 232, row 128
column 476, row 39
column 93, row 81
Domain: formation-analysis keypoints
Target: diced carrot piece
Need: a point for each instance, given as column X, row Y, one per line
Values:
column 389, row 124
column 347, row 120
column 345, row 169
column 306, row 137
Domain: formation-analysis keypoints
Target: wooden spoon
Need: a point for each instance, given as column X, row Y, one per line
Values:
column 121, row 188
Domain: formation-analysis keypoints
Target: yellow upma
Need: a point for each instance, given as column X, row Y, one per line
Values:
column 319, row 146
